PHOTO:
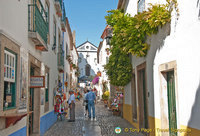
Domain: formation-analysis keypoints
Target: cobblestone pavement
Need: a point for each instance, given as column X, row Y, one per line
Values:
column 103, row 125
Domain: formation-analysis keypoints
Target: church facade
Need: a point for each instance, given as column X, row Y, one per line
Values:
column 87, row 61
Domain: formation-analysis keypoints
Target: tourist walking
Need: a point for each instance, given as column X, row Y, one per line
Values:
column 85, row 102
column 91, row 98
column 71, row 103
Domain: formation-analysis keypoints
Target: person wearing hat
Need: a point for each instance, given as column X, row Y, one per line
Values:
column 71, row 103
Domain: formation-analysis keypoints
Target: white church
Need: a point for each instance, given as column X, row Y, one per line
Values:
column 87, row 61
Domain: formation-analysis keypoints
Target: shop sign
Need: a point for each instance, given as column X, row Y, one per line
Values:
column 37, row 82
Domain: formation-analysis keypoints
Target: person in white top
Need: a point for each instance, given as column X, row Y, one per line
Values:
column 71, row 103
column 85, row 103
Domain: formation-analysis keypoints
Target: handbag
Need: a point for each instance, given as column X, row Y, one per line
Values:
column 84, row 103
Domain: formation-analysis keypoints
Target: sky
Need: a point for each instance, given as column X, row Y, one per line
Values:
column 87, row 18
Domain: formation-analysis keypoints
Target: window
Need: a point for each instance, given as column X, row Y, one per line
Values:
column 107, row 60
column 47, row 13
column 87, row 47
column 66, row 50
column 141, row 5
column 9, row 79
column 54, row 36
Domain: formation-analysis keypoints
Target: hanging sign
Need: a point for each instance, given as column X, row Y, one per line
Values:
column 37, row 82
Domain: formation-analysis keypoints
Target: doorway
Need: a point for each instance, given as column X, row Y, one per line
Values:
column 142, row 96
column 34, row 104
column 31, row 104
column 134, row 100
column 171, row 103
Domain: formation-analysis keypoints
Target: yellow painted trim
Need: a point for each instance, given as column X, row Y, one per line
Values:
column 189, row 131
column 127, row 115
column 155, row 124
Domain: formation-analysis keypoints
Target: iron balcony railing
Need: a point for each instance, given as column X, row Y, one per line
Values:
column 60, row 57
column 64, row 15
column 37, row 20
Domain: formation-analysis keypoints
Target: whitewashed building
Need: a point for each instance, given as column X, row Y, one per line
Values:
column 164, row 92
column 32, row 43
column 87, row 60
column 103, row 54
column 74, row 66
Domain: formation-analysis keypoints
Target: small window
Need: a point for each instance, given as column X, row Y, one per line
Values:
column 54, row 36
column 87, row 47
column 9, row 79
column 107, row 60
column 79, row 59
column 66, row 50
column 9, row 67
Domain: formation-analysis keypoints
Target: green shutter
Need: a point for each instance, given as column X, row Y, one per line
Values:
column 171, row 103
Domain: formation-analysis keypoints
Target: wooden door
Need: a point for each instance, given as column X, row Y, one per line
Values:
column 142, row 96
column 134, row 101
column 171, row 103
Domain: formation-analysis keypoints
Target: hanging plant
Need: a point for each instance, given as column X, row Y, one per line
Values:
column 77, row 73
column 74, row 66
column 95, row 80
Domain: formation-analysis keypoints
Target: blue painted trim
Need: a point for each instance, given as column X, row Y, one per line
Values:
column 20, row 132
column 47, row 121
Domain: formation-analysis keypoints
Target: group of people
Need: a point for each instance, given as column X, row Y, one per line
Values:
column 89, row 102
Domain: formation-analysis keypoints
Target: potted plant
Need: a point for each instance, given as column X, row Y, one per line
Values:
column 105, row 97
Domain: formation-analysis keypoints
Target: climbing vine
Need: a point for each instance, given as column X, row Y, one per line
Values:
column 119, row 68
column 129, row 37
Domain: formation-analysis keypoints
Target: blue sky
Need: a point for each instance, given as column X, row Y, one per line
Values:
column 86, row 17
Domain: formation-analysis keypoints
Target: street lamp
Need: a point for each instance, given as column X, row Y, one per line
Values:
column 108, row 36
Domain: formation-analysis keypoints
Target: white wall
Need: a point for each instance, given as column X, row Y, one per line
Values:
column 67, row 65
column 14, row 22
column 75, row 61
column 182, row 46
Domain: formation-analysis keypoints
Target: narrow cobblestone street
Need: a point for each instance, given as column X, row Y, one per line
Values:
column 103, row 125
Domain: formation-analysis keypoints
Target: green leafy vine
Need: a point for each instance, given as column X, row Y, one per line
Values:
column 129, row 37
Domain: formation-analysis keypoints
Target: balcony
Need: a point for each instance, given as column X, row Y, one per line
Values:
column 60, row 60
column 38, row 26
column 63, row 21
column 58, row 6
